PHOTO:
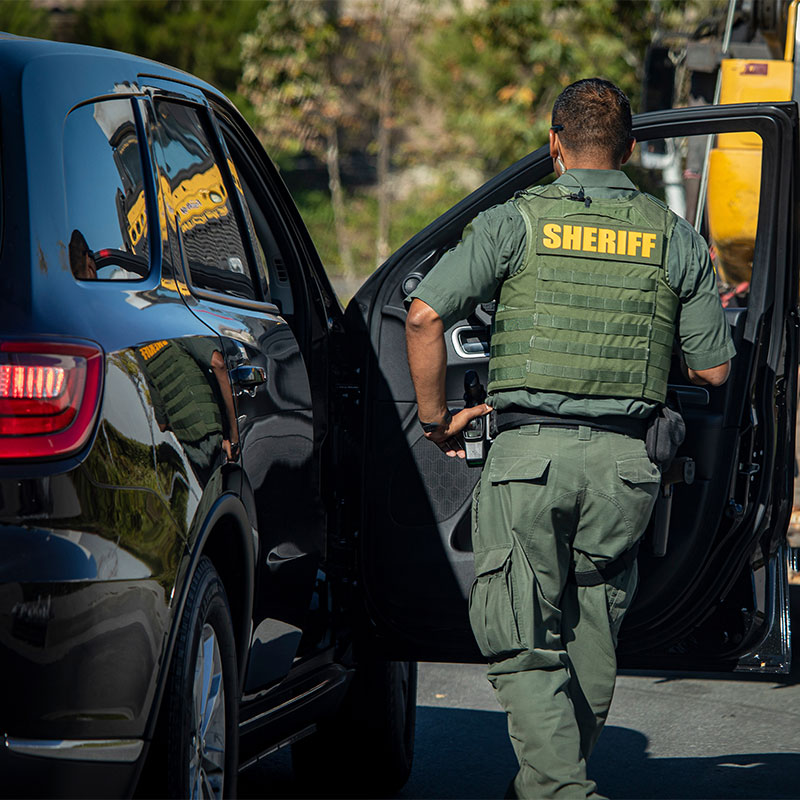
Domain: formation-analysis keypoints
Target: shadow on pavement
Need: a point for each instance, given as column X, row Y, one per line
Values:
column 622, row 768
column 463, row 753
column 460, row 753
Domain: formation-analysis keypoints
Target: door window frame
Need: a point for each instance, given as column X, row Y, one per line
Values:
column 219, row 152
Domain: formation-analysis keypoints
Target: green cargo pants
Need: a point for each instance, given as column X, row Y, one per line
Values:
column 550, row 501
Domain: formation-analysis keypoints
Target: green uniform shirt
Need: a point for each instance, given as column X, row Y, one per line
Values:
column 493, row 247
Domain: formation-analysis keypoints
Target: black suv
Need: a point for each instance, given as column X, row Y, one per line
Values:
column 221, row 530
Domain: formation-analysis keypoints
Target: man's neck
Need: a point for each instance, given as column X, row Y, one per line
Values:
column 584, row 164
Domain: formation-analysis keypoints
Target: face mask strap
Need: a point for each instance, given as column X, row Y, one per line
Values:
column 559, row 161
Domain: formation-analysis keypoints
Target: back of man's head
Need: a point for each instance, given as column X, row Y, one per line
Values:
column 593, row 117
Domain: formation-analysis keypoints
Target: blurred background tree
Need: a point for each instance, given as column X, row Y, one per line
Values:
column 496, row 68
column 199, row 36
column 25, row 19
column 298, row 75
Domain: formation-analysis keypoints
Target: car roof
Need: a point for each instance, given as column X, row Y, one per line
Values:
column 16, row 52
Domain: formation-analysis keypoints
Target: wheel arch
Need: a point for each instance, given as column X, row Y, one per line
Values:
column 228, row 539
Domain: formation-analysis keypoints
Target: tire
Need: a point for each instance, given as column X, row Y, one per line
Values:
column 367, row 748
column 202, row 703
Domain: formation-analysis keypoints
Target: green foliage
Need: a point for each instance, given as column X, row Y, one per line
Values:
column 23, row 19
column 198, row 36
column 409, row 215
column 496, row 69
column 290, row 76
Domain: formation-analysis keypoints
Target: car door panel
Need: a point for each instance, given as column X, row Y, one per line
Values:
column 415, row 539
column 269, row 425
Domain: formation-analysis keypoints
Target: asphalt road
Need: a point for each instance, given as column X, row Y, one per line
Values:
column 668, row 736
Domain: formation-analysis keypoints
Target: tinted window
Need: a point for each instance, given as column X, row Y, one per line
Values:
column 727, row 211
column 106, row 209
column 198, row 197
column 267, row 232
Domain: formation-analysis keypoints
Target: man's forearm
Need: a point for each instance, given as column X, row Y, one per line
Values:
column 427, row 361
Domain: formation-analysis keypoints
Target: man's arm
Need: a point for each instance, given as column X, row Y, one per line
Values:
column 714, row 376
column 493, row 246
column 705, row 339
column 427, row 361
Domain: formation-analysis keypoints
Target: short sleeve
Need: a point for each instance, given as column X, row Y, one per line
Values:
column 491, row 248
column 703, row 332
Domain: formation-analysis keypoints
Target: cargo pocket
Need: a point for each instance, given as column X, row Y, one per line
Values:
column 640, row 479
column 639, row 469
column 518, row 468
column 491, row 608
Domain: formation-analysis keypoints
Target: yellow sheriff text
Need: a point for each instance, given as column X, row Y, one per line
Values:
column 590, row 239
column 149, row 350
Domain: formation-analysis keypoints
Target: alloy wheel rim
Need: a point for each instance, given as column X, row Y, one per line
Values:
column 207, row 746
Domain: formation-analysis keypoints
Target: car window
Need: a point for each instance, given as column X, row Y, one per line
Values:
column 198, row 195
column 715, row 181
column 264, row 226
column 109, row 236
column 258, row 250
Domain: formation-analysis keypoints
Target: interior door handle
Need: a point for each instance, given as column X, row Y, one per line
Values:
column 247, row 377
column 471, row 342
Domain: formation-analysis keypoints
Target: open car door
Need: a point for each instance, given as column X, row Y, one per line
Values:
column 718, row 599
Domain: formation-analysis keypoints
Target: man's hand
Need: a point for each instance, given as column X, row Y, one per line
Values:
column 448, row 437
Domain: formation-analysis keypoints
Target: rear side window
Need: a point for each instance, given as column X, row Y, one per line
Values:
column 198, row 197
column 109, row 237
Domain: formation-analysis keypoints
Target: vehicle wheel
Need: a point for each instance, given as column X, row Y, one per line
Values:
column 368, row 746
column 203, row 704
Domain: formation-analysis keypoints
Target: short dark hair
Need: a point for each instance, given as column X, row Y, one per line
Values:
column 593, row 115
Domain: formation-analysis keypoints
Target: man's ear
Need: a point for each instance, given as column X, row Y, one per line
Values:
column 629, row 151
column 553, row 144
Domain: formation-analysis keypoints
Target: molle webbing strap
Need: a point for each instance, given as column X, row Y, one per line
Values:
column 598, row 279
column 585, row 373
column 571, row 373
column 529, row 322
column 506, row 373
column 579, row 349
column 600, row 303
column 605, row 378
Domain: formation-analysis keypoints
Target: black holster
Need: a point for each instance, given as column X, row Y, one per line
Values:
column 665, row 434
column 666, row 431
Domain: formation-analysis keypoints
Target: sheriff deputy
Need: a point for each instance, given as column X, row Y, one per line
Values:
column 593, row 281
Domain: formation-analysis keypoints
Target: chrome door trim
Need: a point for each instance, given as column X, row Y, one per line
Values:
column 459, row 348
column 120, row 750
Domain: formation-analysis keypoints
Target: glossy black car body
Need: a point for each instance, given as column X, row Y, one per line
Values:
column 241, row 418
column 99, row 542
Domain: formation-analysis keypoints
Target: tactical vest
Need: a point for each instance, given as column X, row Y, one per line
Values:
column 590, row 312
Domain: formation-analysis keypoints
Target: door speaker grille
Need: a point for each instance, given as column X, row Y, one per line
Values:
column 447, row 483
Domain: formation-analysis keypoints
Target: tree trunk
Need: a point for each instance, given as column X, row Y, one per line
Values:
column 384, row 141
column 337, row 201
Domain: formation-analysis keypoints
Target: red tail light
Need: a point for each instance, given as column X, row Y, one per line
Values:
column 49, row 397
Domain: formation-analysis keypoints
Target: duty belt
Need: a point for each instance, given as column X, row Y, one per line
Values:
column 515, row 418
